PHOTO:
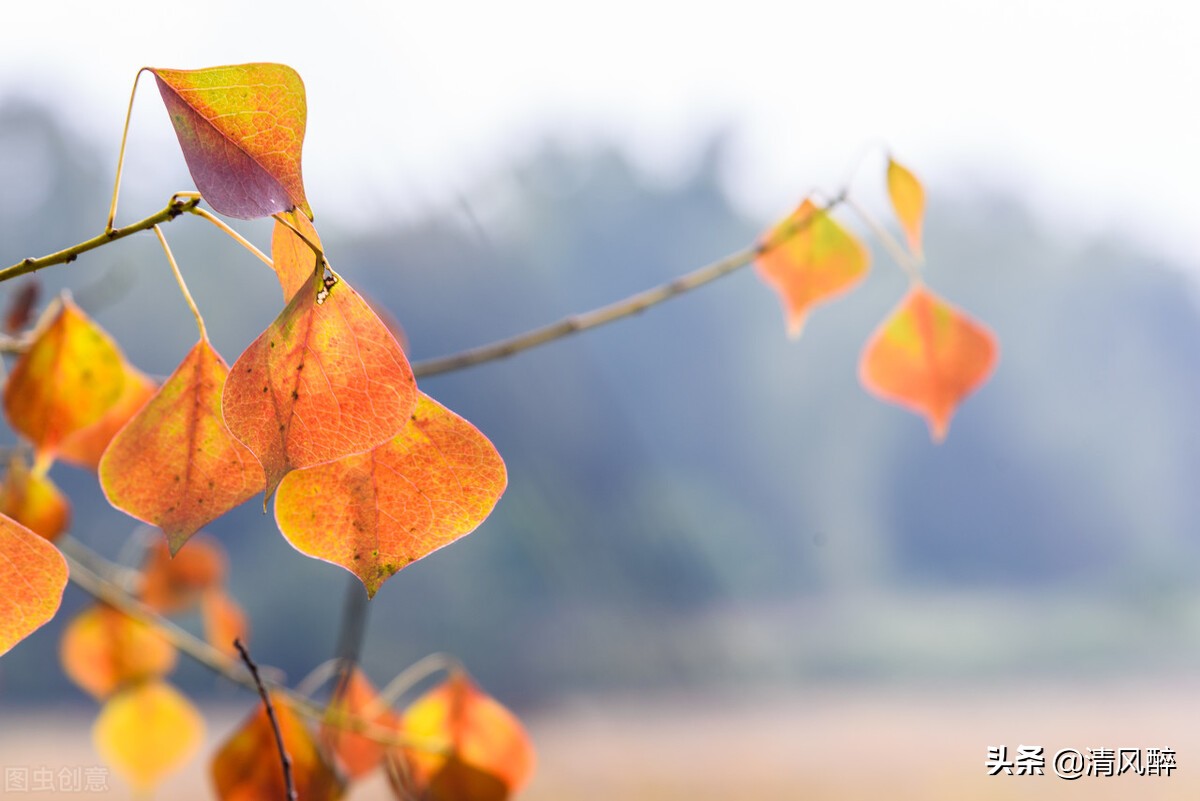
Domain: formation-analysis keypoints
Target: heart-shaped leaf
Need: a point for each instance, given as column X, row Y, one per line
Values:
column 927, row 356
column 241, row 129
column 175, row 465
column 325, row 380
column 148, row 731
column 808, row 258
column 374, row 513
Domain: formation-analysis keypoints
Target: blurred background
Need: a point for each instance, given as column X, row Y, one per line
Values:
column 720, row 569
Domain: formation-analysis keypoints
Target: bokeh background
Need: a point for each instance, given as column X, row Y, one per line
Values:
column 721, row 570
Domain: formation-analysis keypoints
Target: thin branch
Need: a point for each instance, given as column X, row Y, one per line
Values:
column 187, row 295
column 178, row 205
column 415, row 673
column 241, row 240
column 90, row 571
column 289, row 783
column 605, row 314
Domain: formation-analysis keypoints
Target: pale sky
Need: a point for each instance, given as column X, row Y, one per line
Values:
column 1090, row 111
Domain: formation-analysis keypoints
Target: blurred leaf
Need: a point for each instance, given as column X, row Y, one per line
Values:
column 175, row 465
column 85, row 447
column 908, row 200
column 247, row 766
column 104, row 649
column 490, row 757
column 808, row 259
column 147, row 731
column 357, row 755
column 374, row 513
column 34, row 501
column 224, row 621
column 176, row 584
column 241, row 129
column 70, row 376
column 325, row 380
column 31, row 583
column 927, row 356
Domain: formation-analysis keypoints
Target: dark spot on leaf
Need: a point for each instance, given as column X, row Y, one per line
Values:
column 295, row 395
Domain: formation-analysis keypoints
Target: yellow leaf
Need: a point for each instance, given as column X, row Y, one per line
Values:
column 908, row 200
column 147, row 731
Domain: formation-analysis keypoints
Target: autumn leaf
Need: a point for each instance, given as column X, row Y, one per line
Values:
column 175, row 465
column 908, row 200
column 376, row 512
column 176, row 584
column 325, row 380
column 294, row 261
column 21, row 306
column 34, row 501
column 808, row 259
column 85, row 447
column 927, row 356
column 33, row 575
column 247, row 766
column 224, row 621
column 357, row 755
column 103, row 649
column 147, row 731
column 70, row 376
column 241, row 129
column 490, row 756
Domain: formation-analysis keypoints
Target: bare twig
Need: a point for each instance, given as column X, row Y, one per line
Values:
column 177, row 205
column 289, row 783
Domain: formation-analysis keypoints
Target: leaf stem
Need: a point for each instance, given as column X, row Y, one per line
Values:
column 415, row 673
column 241, row 240
column 289, row 783
column 177, row 205
column 187, row 295
column 112, row 209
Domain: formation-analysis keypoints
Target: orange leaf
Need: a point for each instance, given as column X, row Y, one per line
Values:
column 34, row 501
column 85, row 447
column 357, row 755
column 224, row 621
column 241, row 129
column 374, row 513
column 247, row 766
column 175, row 465
column 908, row 199
column 927, row 356
column 490, row 756
column 103, row 649
column 294, row 261
column 176, row 584
column 808, row 258
column 325, row 380
column 33, row 575
column 148, row 731
column 70, row 376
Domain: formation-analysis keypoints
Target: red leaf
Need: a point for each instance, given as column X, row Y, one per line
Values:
column 175, row 465
column 325, row 380
column 927, row 356
column 374, row 513
column 241, row 129
column 357, row 755
column 247, row 766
